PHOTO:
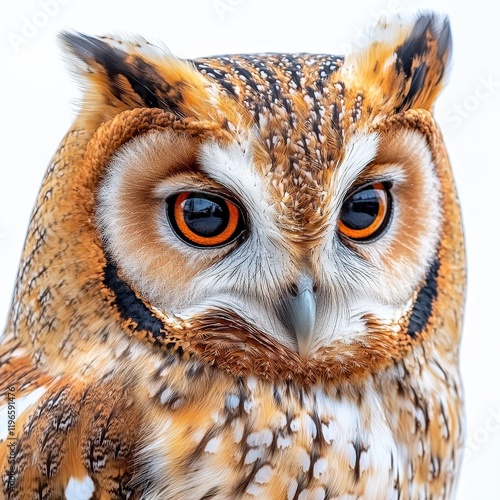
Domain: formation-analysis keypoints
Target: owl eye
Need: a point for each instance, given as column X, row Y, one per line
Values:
column 203, row 219
column 366, row 212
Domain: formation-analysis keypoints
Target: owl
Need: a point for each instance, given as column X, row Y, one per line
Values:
column 243, row 278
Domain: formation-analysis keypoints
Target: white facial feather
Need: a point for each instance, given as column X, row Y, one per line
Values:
column 360, row 151
column 233, row 168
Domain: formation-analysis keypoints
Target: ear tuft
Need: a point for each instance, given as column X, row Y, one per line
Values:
column 423, row 58
column 404, row 66
column 125, row 74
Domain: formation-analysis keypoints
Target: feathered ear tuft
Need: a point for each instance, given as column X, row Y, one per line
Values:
column 422, row 59
column 124, row 74
column 405, row 68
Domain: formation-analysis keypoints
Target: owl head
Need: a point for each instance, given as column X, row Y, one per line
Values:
column 286, row 216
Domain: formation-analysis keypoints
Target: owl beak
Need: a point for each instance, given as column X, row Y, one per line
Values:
column 298, row 313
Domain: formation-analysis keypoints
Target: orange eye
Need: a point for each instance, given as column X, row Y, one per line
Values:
column 366, row 212
column 203, row 219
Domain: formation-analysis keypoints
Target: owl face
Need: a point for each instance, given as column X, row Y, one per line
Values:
column 289, row 216
column 207, row 228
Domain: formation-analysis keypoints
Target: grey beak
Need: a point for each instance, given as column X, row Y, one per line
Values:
column 298, row 313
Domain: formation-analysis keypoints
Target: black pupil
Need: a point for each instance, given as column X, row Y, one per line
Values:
column 361, row 209
column 205, row 215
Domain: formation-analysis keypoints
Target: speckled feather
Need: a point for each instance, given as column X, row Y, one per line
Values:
column 133, row 400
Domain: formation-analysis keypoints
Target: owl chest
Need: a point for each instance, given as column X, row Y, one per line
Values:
column 273, row 442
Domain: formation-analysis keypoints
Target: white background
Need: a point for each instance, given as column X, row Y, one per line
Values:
column 37, row 103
